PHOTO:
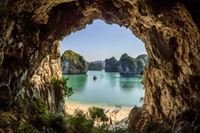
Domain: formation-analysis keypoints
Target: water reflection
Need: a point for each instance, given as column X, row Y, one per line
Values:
column 112, row 78
column 77, row 82
column 126, row 84
column 108, row 88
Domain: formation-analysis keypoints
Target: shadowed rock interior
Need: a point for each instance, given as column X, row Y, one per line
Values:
column 30, row 57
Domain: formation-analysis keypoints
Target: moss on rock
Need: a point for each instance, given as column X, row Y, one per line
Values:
column 73, row 63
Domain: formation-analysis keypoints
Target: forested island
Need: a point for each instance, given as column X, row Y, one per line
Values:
column 74, row 63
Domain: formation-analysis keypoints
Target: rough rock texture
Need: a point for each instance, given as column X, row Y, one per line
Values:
column 29, row 36
column 141, row 61
column 111, row 65
column 96, row 65
column 73, row 63
column 129, row 66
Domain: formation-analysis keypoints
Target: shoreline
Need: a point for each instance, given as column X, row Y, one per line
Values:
column 116, row 113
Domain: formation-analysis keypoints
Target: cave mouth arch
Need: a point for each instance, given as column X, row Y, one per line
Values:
column 159, row 30
column 96, row 43
column 29, row 52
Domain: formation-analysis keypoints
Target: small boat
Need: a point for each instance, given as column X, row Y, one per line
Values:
column 94, row 77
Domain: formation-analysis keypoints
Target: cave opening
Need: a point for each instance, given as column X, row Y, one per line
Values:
column 101, row 44
column 163, row 41
column 29, row 55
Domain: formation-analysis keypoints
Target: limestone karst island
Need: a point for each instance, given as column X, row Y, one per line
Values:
column 99, row 66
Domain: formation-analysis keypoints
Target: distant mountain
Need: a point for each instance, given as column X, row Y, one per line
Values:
column 96, row 65
column 73, row 63
column 111, row 65
column 131, row 66
column 127, row 65
column 141, row 60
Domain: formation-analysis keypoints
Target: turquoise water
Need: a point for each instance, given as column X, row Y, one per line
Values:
column 109, row 89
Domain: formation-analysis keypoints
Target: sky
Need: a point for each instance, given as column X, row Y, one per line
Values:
column 100, row 41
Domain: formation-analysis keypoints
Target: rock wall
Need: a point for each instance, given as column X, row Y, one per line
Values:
column 29, row 36
column 73, row 63
column 96, row 65
column 111, row 65
column 129, row 66
column 27, row 62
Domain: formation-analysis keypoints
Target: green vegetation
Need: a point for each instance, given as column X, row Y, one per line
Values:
column 111, row 65
column 80, row 123
column 26, row 128
column 58, row 122
column 42, row 120
column 61, row 85
column 85, row 122
column 73, row 63
column 39, row 108
column 127, row 65
column 95, row 65
column 132, row 66
column 97, row 114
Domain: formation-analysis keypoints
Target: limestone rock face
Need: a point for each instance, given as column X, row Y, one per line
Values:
column 111, row 65
column 96, row 65
column 29, row 55
column 129, row 66
column 73, row 63
column 141, row 61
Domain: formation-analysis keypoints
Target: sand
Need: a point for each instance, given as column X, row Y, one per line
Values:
column 121, row 114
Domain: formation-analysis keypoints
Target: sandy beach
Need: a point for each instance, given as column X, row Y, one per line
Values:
column 122, row 113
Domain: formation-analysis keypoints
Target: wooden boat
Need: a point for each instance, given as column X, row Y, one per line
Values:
column 94, row 77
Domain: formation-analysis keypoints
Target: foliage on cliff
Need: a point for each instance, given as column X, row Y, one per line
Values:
column 61, row 85
column 96, row 65
column 97, row 114
column 73, row 63
column 111, row 65
column 132, row 66
column 141, row 61
column 42, row 120
column 127, row 65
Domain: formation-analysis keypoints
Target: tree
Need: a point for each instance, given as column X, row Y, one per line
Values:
column 96, row 113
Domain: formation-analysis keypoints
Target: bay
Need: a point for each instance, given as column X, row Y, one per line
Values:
column 109, row 89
